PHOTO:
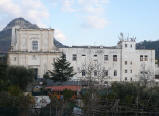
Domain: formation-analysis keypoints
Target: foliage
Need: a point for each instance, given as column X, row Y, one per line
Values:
column 67, row 94
column 46, row 76
column 122, row 97
column 15, row 102
column 13, row 81
column 20, row 76
column 3, row 77
column 59, row 107
column 14, row 90
column 126, row 92
column 62, row 70
column 15, row 75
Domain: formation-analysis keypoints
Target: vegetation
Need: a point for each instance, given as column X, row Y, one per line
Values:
column 126, row 98
column 20, row 76
column 3, row 77
column 13, row 82
column 62, row 70
column 62, row 106
column 121, row 98
column 15, row 75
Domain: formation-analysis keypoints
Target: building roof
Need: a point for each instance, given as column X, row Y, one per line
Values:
column 39, row 29
column 105, row 47
column 61, row 88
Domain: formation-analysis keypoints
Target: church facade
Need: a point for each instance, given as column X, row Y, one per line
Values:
column 34, row 48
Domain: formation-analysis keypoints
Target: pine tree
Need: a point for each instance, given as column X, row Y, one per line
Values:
column 62, row 70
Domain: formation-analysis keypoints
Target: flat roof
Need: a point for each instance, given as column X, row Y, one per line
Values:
column 26, row 29
column 105, row 47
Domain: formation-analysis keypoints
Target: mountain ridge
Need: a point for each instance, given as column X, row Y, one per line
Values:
column 5, row 37
column 149, row 45
column 22, row 23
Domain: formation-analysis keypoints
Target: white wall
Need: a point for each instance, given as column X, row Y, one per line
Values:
column 124, row 53
column 22, row 54
column 24, row 38
column 83, row 61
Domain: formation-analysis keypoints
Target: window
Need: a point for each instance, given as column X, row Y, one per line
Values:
column 35, row 45
column 146, row 58
column 106, row 73
column 126, row 71
column 95, row 73
column 130, row 71
column 131, row 79
column 131, row 45
column 126, row 62
column 125, row 78
column 83, row 72
column 105, row 57
column 114, row 57
column 126, row 45
column 115, row 72
column 83, row 55
column 131, row 62
column 14, row 58
column 74, row 57
column 95, row 55
column 141, row 57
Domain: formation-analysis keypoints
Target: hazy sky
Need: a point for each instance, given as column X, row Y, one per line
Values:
column 88, row 22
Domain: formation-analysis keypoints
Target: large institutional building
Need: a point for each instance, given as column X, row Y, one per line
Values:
column 34, row 48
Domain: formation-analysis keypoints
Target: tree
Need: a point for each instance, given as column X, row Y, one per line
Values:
column 13, row 82
column 145, row 76
column 3, row 76
column 94, row 73
column 15, row 75
column 20, row 76
column 62, row 70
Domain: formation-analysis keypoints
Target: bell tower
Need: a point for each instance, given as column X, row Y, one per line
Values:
column 128, row 43
column 127, row 59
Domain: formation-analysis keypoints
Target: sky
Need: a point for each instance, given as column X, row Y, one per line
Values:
column 88, row 22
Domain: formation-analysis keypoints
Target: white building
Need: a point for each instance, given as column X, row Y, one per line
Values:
column 34, row 48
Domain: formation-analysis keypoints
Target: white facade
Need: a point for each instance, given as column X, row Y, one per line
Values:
column 128, row 66
column 34, row 48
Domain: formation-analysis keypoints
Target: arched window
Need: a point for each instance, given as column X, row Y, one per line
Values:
column 35, row 45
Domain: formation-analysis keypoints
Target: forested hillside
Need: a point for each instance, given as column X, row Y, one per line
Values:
column 149, row 45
